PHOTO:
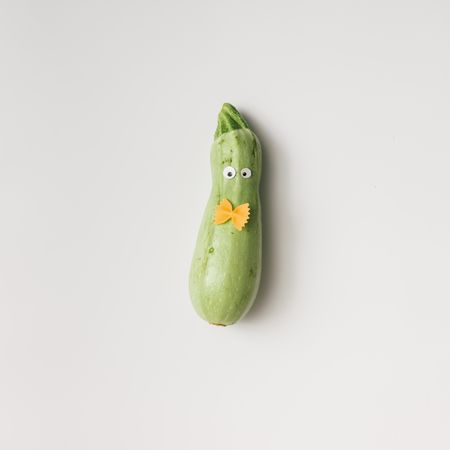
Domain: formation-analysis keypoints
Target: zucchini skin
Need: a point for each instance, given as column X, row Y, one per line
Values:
column 226, row 267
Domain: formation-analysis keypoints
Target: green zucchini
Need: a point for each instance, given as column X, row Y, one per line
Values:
column 226, row 266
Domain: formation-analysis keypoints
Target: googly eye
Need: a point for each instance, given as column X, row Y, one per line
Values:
column 246, row 173
column 229, row 172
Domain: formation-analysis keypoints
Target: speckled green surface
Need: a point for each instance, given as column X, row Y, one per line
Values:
column 229, row 119
column 226, row 266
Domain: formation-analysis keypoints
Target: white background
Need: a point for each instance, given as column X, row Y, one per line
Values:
column 107, row 112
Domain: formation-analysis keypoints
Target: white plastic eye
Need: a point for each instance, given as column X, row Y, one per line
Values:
column 229, row 172
column 246, row 173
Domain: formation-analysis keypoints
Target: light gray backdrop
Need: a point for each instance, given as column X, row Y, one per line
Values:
column 107, row 111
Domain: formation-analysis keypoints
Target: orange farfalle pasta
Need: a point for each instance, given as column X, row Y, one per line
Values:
column 239, row 215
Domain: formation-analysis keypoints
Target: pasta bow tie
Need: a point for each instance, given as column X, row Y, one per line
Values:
column 239, row 215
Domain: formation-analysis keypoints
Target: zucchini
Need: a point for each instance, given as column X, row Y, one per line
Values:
column 226, row 267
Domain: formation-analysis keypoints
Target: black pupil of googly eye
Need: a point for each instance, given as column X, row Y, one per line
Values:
column 244, row 173
column 230, row 174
